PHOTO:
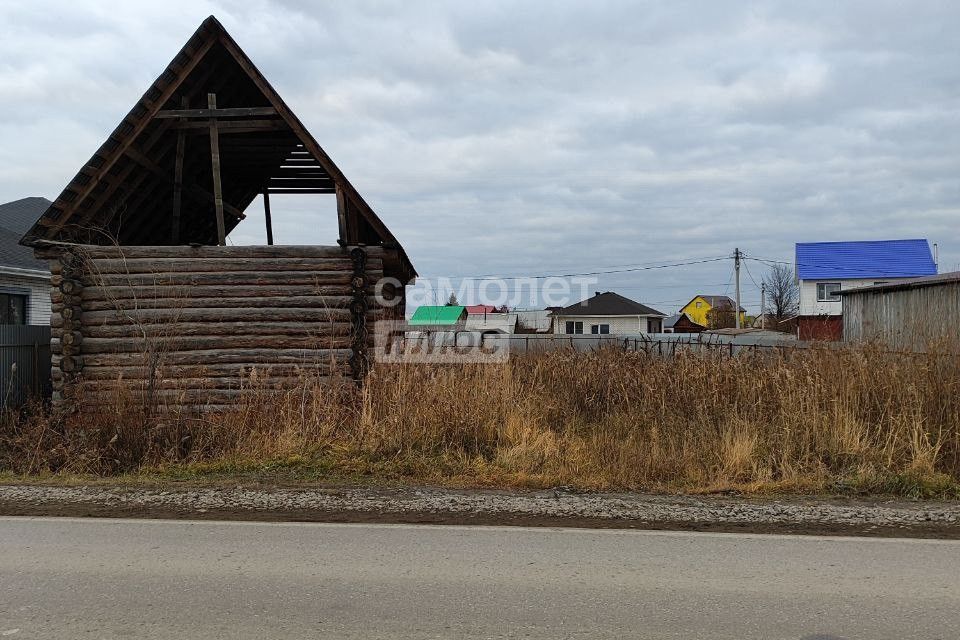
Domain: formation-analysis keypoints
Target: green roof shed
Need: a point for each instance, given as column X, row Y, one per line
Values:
column 437, row 315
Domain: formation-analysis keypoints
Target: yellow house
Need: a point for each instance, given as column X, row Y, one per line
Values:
column 699, row 308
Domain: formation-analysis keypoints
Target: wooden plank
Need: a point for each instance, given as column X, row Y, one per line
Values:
column 122, row 293
column 342, row 216
column 301, row 183
column 191, row 343
column 166, row 265
column 266, row 302
column 199, row 385
column 266, row 214
column 172, row 326
column 219, row 369
column 290, row 172
column 326, row 190
column 215, row 165
column 233, row 126
column 173, row 317
column 178, row 181
column 219, row 356
column 299, row 162
column 231, row 112
column 164, row 251
column 225, row 278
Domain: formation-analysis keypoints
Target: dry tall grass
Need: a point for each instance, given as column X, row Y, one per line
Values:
column 816, row 419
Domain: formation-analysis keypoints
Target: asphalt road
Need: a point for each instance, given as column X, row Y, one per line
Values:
column 72, row 578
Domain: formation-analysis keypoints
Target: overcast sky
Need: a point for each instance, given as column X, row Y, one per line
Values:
column 536, row 138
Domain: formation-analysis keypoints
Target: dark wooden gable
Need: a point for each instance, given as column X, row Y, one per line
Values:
column 151, row 182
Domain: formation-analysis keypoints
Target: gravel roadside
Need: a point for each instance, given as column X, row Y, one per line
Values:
column 555, row 507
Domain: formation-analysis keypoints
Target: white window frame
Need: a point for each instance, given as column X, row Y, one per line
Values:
column 598, row 329
column 827, row 297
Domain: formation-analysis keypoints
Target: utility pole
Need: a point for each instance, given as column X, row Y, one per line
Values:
column 736, row 269
column 763, row 305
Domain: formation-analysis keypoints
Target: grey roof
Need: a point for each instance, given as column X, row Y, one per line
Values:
column 912, row 283
column 720, row 302
column 608, row 304
column 18, row 216
column 670, row 322
column 15, row 219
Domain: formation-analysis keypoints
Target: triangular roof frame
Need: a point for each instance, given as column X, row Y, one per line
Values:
column 358, row 223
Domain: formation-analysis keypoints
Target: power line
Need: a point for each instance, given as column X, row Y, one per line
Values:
column 751, row 275
column 590, row 273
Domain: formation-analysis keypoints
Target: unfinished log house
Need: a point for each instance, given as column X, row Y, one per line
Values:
column 147, row 296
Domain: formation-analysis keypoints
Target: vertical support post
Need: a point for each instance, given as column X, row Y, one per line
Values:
column 763, row 305
column 342, row 216
column 266, row 213
column 736, row 268
column 215, row 162
column 178, row 178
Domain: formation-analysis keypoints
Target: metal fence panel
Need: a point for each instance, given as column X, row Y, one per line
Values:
column 24, row 363
column 656, row 343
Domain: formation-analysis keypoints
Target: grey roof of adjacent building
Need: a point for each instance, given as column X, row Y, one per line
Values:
column 718, row 302
column 912, row 283
column 18, row 216
column 15, row 219
column 608, row 304
column 670, row 322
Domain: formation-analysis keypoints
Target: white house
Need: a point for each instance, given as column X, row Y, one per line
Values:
column 825, row 268
column 24, row 280
column 607, row 313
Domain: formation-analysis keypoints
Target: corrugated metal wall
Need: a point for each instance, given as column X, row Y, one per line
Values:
column 24, row 363
column 906, row 318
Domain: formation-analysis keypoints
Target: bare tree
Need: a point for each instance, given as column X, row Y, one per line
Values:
column 721, row 317
column 783, row 294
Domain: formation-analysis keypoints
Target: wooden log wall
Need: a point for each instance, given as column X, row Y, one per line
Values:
column 194, row 326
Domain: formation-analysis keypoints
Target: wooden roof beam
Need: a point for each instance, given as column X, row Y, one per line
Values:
column 233, row 126
column 233, row 112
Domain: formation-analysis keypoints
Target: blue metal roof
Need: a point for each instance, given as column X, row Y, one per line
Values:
column 864, row 259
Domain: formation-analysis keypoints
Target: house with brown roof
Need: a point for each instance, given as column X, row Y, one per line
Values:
column 705, row 307
column 681, row 323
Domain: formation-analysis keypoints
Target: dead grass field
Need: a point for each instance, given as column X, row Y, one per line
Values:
column 812, row 421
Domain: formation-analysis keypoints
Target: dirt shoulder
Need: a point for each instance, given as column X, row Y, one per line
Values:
column 552, row 508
